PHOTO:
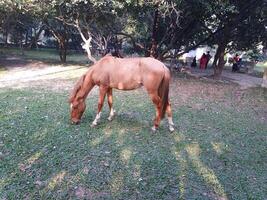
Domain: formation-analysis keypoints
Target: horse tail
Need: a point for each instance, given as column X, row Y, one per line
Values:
column 163, row 91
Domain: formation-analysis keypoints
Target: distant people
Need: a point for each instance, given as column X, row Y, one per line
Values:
column 203, row 61
column 194, row 62
column 236, row 62
column 208, row 59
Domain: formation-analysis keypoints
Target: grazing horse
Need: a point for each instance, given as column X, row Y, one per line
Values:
column 124, row 74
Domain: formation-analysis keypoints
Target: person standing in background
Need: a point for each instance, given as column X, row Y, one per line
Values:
column 208, row 59
column 236, row 61
column 203, row 61
column 194, row 62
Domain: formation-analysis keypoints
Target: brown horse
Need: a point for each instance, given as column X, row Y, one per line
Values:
column 124, row 74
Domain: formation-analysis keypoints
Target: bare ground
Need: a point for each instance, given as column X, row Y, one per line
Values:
column 19, row 73
column 243, row 80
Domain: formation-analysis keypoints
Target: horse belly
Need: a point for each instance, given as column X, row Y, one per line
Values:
column 126, row 83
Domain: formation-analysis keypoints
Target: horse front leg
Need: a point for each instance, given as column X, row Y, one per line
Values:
column 102, row 94
column 110, row 102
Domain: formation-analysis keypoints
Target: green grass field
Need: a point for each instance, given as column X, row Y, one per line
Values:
column 217, row 152
column 47, row 55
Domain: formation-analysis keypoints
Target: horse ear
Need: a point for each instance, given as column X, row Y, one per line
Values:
column 76, row 88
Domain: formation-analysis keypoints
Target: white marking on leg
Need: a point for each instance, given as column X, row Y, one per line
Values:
column 171, row 124
column 154, row 129
column 111, row 114
column 97, row 118
column 71, row 105
column 170, row 121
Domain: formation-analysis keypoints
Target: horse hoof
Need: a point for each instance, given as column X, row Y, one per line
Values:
column 93, row 125
column 171, row 129
column 110, row 118
column 153, row 129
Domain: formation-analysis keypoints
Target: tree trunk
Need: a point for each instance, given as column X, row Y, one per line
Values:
column 34, row 42
column 219, row 62
column 26, row 38
column 264, row 79
column 153, row 49
column 6, row 38
column 21, row 44
column 62, row 50
column 86, row 47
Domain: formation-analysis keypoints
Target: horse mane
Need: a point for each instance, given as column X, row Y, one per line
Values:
column 76, row 89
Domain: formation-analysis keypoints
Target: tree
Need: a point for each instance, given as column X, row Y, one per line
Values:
column 165, row 29
column 235, row 25
column 159, row 28
column 17, row 21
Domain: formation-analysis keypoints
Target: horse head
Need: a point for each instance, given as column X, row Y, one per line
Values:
column 77, row 109
column 77, row 102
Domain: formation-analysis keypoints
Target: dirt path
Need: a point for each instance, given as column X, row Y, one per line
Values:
column 244, row 80
column 20, row 73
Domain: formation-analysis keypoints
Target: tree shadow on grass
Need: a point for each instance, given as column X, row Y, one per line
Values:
column 49, row 158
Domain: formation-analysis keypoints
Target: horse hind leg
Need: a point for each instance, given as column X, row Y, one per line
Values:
column 102, row 94
column 169, row 114
column 158, row 104
column 110, row 102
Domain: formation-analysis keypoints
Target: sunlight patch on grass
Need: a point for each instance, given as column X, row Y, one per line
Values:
column 107, row 132
column 207, row 174
column 217, row 147
column 178, row 138
column 97, row 141
column 116, row 183
column 182, row 162
column 136, row 171
column 56, row 180
column 39, row 135
column 28, row 163
column 182, row 179
column 182, row 172
column 193, row 150
column 76, row 178
column 120, row 138
column 126, row 155
column 4, row 182
column 33, row 158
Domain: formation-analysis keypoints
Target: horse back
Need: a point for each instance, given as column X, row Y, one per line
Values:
column 128, row 73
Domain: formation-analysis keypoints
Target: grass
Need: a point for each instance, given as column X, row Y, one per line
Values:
column 218, row 151
column 47, row 55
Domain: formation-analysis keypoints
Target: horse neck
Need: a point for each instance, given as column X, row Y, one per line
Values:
column 86, row 86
